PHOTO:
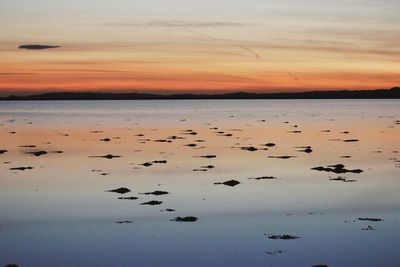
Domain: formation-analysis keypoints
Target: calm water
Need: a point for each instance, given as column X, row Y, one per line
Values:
column 58, row 213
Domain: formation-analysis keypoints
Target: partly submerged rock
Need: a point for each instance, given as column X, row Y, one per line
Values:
column 159, row 161
column 370, row 219
column 306, row 149
column 368, row 228
column 191, row 145
column 21, row 168
column 156, row 193
column 208, row 156
column 337, row 168
column 208, row 167
column 283, row 237
column 37, row 153
column 229, row 183
column 281, row 157
column 128, row 198
column 264, row 178
column 249, row 148
column 343, row 179
column 168, row 210
column 351, row 140
column 275, row 252
column 185, row 219
column 152, row 203
column 269, row 144
column 108, row 156
column 121, row 190
column 123, row 222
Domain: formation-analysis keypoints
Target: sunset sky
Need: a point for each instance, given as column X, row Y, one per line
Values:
column 199, row 46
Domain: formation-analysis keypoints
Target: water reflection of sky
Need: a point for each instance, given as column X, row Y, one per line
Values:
column 58, row 213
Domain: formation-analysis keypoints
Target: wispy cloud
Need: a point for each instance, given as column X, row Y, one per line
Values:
column 177, row 24
column 16, row 73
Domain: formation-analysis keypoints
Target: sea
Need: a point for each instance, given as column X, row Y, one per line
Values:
column 206, row 183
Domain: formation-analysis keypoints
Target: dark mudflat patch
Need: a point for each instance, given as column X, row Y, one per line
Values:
column 185, row 219
column 281, row 157
column 249, row 148
column 371, row 219
column 121, row 190
column 109, row 156
column 152, row 203
column 3, row 151
column 229, row 183
column 283, row 237
column 37, row 153
column 128, row 198
column 191, row 133
column 337, row 168
column 21, row 168
column 264, row 178
column 156, row 193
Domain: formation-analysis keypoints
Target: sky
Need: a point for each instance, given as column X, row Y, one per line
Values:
column 208, row 46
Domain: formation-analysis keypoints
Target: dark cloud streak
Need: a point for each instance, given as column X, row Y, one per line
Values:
column 37, row 46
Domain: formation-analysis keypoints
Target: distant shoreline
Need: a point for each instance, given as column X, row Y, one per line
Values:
column 393, row 93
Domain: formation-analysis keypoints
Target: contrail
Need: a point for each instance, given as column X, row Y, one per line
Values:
column 256, row 55
column 294, row 77
column 243, row 47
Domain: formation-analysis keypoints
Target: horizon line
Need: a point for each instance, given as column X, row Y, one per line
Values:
column 393, row 92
